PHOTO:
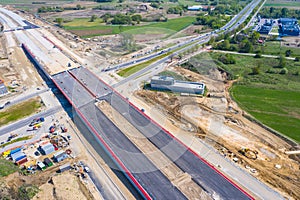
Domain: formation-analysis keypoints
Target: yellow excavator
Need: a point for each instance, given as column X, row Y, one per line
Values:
column 252, row 154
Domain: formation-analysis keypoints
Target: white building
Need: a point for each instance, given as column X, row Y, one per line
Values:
column 169, row 84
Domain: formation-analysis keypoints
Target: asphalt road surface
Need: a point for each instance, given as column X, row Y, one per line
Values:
column 148, row 176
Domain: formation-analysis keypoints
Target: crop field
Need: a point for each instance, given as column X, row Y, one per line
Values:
column 272, row 98
column 88, row 29
column 283, row 3
column 19, row 111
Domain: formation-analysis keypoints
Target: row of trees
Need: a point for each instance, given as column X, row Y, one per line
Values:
column 213, row 22
column 126, row 19
column 44, row 9
column 279, row 13
column 244, row 42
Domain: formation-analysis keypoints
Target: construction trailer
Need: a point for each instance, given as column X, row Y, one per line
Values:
column 22, row 161
column 18, row 156
column 48, row 162
column 46, row 149
column 15, row 150
column 41, row 166
column 60, row 156
column 65, row 167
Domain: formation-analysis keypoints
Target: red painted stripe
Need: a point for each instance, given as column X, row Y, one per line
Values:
column 171, row 135
column 74, row 76
column 58, row 47
column 142, row 190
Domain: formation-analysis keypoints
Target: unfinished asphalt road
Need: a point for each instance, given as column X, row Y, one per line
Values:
column 148, row 176
column 201, row 172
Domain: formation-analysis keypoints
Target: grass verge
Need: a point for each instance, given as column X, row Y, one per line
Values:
column 131, row 70
column 7, row 167
column 278, row 109
column 16, row 140
column 20, row 110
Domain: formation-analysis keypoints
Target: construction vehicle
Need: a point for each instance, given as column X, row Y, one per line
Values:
column 63, row 128
column 12, row 135
column 252, row 154
column 38, row 125
column 37, row 121
column 52, row 129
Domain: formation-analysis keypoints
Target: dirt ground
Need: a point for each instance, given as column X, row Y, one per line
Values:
column 217, row 118
column 63, row 186
column 16, row 70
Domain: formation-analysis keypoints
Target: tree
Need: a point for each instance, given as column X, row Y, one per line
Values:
column 211, row 41
column 288, row 53
column 254, row 37
column 128, row 42
column 105, row 17
column 258, row 55
column 284, row 71
column 59, row 21
column 284, row 12
column 93, row 18
column 256, row 70
column 245, row 46
column 282, row 62
column 78, row 7
column 136, row 18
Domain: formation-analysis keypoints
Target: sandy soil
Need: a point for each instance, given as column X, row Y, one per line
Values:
column 63, row 186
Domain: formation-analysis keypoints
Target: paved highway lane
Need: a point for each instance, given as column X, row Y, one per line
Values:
column 148, row 176
column 201, row 172
column 154, row 182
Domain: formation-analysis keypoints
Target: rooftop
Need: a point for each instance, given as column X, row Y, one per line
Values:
column 163, row 78
column 192, row 85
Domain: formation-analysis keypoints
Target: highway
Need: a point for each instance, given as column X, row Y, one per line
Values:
column 81, row 88
column 146, row 174
column 231, row 25
column 203, row 174
column 22, row 98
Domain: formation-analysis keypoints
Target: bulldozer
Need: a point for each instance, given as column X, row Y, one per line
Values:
column 247, row 152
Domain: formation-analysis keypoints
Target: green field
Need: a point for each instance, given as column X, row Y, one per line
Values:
column 7, row 167
column 30, row 1
column 274, row 48
column 169, row 27
column 272, row 98
column 135, row 68
column 19, row 111
column 279, row 109
column 282, row 3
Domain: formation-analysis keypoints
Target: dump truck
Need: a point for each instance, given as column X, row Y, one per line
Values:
column 63, row 129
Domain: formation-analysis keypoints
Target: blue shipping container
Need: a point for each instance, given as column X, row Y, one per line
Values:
column 15, row 150
column 20, row 158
